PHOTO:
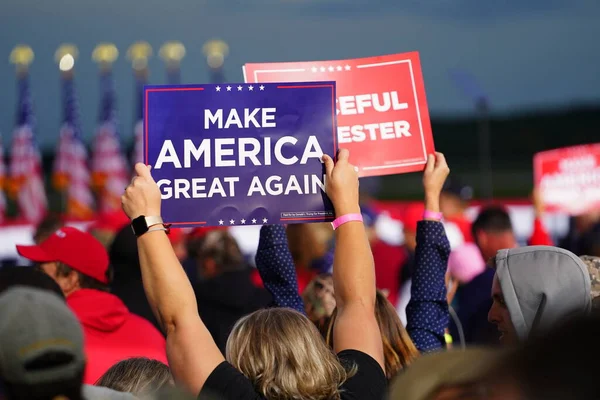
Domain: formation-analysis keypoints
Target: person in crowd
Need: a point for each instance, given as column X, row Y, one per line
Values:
column 492, row 231
column 311, row 249
column 465, row 263
column 28, row 277
column 449, row 375
column 454, row 203
column 179, row 241
column 535, row 287
column 319, row 301
column 126, row 283
column 555, row 365
column 79, row 264
column 107, row 225
column 580, row 227
column 224, row 289
column 42, row 355
column 430, row 307
column 140, row 376
column 292, row 360
column 399, row 350
column 593, row 266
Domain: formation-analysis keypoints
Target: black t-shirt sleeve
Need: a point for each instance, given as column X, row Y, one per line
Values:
column 227, row 383
column 369, row 382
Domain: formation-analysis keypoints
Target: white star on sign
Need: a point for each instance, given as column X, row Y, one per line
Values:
column 218, row 88
column 220, row 222
column 231, row 221
column 253, row 220
column 229, row 88
column 331, row 69
column 339, row 68
column 347, row 67
column 261, row 87
column 250, row 88
column 243, row 221
column 240, row 88
column 314, row 69
column 265, row 220
column 322, row 69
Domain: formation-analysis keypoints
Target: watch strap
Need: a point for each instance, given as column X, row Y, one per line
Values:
column 154, row 220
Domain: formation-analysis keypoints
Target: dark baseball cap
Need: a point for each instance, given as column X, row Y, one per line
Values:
column 459, row 189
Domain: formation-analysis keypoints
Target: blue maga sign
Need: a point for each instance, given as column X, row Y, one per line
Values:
column 241, row 154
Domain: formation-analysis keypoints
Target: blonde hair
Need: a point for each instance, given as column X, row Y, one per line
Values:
column 140, row 376
column 399, row 351
column 285, row 357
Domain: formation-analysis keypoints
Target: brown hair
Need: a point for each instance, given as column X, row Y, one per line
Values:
column 398, row 349
column 285, row 357
column 85, row 282
column 139, row 375
column 219, row 246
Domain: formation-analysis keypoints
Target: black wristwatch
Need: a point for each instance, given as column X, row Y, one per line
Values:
column 141, row 224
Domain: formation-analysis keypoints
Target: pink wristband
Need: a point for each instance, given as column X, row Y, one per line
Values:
column 432, row 215
column 339, row 221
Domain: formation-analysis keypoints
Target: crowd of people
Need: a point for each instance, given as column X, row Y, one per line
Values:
column 329, row 313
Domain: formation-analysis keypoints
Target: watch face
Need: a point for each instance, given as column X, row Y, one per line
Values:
column 139, row 225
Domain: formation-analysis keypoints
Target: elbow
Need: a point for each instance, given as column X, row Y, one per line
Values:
column 366, row 301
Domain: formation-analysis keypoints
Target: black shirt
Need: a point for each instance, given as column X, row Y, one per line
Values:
column 369, row 382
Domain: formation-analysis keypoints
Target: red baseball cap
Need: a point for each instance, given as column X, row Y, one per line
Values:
column 74, row 248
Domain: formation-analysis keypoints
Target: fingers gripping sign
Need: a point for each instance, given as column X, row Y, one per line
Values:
column 142, row 196
column 342, row 183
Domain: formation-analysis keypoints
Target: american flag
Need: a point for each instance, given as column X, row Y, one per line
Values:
column 27, row 183
column 138, row 147
column 109, row 167
column 70, row 166
column 2, row 183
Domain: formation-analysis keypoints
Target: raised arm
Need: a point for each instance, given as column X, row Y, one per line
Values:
column 427, row 311
column 277, row 269
column 191, row 350
column 353, row 268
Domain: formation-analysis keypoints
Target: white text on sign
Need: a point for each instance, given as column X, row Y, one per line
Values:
column 246, row 118
column 378, row 102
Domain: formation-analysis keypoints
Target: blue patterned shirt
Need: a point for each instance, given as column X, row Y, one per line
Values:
column 427, row 311
column 277, row 268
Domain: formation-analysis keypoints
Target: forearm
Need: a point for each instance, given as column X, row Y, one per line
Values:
column 427, row 311
column 353, row 269
column 167, row 287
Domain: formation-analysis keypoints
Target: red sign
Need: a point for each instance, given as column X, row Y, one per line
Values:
column 569, row 178
column 382, row 111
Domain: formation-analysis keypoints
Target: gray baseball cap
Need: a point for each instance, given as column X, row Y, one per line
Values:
column 37, row 325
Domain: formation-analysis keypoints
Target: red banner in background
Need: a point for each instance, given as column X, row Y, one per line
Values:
column 382, row 110
column 569, row 178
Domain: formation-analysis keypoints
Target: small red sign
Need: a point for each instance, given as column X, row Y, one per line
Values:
column 569, row 178
column 382, row 113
